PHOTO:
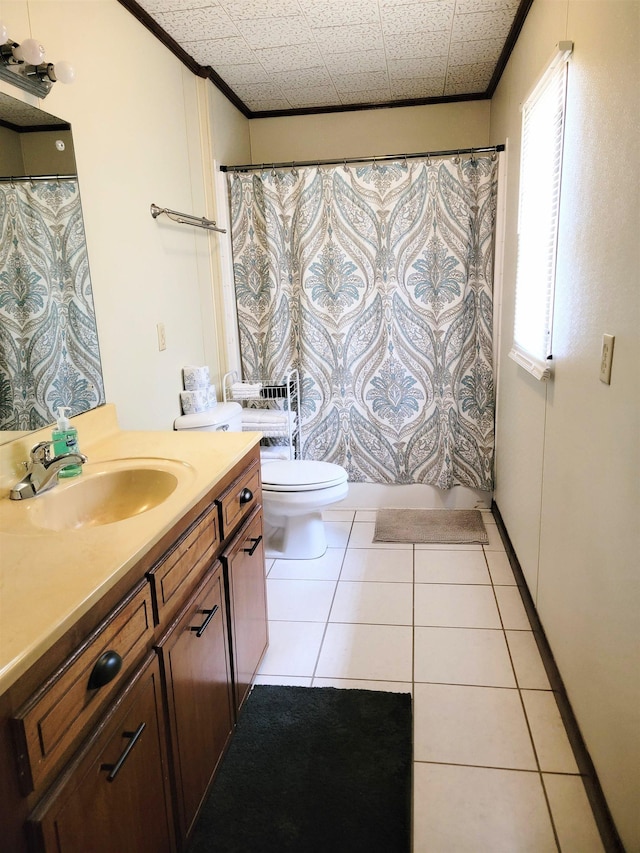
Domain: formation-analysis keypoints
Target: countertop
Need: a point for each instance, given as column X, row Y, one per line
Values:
column 49, row 579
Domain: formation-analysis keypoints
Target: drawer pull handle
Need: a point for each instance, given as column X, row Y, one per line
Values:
column 246, row 496
column 114, row 769
column 107, row 667
column 210, row 614
column 256, row 541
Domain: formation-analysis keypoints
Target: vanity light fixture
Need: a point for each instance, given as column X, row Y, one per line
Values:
column 24, row 66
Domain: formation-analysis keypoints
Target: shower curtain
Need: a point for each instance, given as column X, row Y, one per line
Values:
column 375, row 281
column 49, row 353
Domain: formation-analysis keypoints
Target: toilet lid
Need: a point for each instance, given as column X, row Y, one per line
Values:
column 296, row 475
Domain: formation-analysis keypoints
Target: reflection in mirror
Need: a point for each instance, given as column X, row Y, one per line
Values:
column 49, row 355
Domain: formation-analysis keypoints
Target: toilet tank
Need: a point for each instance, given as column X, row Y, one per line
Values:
column 226, row 417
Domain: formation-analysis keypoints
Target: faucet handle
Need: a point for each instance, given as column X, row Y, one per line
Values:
column 40, row 452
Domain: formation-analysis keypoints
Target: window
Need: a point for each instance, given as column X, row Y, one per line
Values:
column 540, row 177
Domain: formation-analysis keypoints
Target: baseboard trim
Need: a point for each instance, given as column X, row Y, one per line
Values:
column 608, row 832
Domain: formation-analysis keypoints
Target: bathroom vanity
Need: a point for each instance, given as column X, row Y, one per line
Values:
column 127, row 648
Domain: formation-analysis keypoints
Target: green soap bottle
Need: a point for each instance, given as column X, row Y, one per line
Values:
column 65, row 440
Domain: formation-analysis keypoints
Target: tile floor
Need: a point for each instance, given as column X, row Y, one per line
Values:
column 493, row 768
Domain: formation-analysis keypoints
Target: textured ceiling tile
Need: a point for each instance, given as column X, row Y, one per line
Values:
column 417, row 67
column 469, row 52
column 335, row 13
column 154, row 6
column 226, row 51
column 263, row 92
column 463, row 7
column 479, row 73
column 432, row 87
column 410, row 45
column 257, row 106
column 376, row 96
column 295, row 56
column 244, row 74
column 346, row 39
column 436, row 15
column 356, row 62
column 361, row 82
column 470, row 88
column 313, row 96
column 241, row 10
column 302, row 77
column 197, row 24
column 481, row 25
column 275, row 32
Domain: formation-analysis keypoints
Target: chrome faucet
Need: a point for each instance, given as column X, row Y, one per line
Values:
column 42, row 471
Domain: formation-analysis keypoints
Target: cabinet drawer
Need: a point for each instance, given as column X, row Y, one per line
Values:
column 240, row 499
column 180, row 569
column 51, row 723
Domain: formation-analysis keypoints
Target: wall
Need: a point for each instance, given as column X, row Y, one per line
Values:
column 437, row 127
column 11, row 162
column 140, row 137
column 568, row 452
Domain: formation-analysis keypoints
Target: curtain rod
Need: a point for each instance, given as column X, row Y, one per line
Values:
column 257, row 167
column 186, row 218
column 33, row 178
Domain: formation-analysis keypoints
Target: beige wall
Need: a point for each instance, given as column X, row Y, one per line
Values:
column 139, row 139
column 11, row 162
column 403, row 130
column 41, row 157
column 568, row 457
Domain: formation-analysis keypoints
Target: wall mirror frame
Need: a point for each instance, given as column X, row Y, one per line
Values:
column 49, row 350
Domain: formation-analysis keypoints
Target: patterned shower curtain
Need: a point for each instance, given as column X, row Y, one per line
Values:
column 49, row 353
column 376, row 283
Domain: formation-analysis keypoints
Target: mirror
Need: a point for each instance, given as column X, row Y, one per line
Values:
column 49, row 353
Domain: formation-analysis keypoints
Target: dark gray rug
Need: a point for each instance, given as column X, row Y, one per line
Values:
column 313, row 770
column 446, row 526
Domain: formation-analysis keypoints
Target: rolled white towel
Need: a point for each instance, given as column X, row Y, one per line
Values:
column 195, row 378
column 193, row 402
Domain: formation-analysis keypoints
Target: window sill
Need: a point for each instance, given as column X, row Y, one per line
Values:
column 541, row 370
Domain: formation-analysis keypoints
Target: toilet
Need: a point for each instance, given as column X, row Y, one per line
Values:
column 294, row 491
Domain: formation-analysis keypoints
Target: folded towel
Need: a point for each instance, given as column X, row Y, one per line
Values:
column 266, row 418
column 201, row 400
column 245, row 390
column 275, row 453
column 195, row 378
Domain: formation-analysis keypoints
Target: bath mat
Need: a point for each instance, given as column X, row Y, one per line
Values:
column 434, row 526
column 313, row 770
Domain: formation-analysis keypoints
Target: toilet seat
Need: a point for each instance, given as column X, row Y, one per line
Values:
column 295, row 475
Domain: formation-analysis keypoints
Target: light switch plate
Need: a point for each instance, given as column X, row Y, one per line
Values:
column 162, row 337
column 606, row 358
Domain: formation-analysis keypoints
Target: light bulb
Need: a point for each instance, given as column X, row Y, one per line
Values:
column 30, row 51
column 64, row 72
column 4, row 32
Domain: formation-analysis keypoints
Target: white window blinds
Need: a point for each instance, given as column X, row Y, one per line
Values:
column 540, row 177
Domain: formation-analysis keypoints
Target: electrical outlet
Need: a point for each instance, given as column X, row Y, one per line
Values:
column 162, row 337
column 606, row 358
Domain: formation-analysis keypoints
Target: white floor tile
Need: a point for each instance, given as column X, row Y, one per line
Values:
column 495, row 540
column 378, row 652
column 477, row 810
column 378, row 564
column 373, row 603
column 338, row 514
column 293, row 648
column 366, row 515
column 353, row 684
column 466, row 567
column 462, row 656
column 439, row 546
column 284, row 680
column 451, row 606
column 483, row 726
column 500, row 568
column 572, row 815
column 337, row 533
column 362, row 537
column 530, row 671
column 299, row 601
column 512, row 611
column 549, row 734
column 325, row 568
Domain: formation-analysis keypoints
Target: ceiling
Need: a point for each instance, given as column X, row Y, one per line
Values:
column 279, row 57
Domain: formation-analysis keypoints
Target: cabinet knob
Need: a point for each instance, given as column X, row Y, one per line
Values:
column 246, row 495
column 105, row 670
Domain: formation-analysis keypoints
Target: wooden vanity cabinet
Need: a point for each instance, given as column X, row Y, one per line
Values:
column 124, row 767
column 195, row 661
column 245, row 583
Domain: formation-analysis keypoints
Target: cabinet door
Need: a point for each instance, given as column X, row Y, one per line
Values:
column 115, row 796
column 246, row 587
column 196, row 667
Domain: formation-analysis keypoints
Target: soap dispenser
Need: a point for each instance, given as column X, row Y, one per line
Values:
column 65, row 440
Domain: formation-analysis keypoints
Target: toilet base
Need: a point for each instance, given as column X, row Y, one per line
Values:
column 301, row 537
